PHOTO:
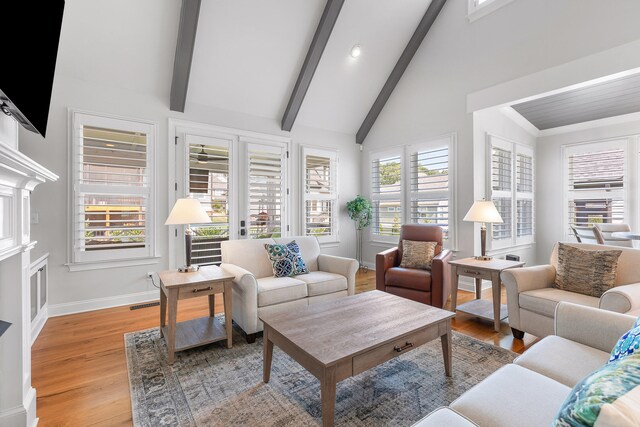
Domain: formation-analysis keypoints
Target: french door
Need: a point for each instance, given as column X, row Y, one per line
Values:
column 240, row 181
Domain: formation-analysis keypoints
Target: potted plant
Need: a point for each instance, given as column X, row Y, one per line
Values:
column 360, row 212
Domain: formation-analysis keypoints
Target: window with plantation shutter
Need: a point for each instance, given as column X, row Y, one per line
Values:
column 112, row 214
column 320, row 199
column 430, row 188
column 208, row 182
column 511, row 188
column 595, row 178
column 266, row 190
column 386, row 196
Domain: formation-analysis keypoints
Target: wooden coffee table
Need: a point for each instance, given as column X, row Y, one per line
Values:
column 338, row 339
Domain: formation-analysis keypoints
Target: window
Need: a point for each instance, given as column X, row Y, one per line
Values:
column 209, row 183
column 112, row 214
column 480, row 8
column 386, row 196
column 320, row 197
column 511, row 188
column 430, row 187
column 426, row 199
column 596, row 183
column 266, row 190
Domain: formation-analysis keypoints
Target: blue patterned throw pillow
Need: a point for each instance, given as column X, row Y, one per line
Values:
column 286, row 260
column 608, row 396
column 629, row 343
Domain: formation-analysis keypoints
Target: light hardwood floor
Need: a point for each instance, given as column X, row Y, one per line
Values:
column 80, row 372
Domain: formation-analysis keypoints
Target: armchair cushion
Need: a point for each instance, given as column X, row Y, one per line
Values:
column 586, row 271
column 544, row 301
column 321, row 282
column 417, row 254
column 276, row 290
column 409, row 278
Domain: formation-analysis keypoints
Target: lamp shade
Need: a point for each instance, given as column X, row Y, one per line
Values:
column 483, row 211
column 187, row 211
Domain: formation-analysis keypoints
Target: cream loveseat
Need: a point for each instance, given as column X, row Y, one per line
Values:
column 530, row 391
column 257, row 291
column 532, row 299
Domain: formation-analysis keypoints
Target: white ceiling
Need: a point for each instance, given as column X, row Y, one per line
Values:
column 248, row 55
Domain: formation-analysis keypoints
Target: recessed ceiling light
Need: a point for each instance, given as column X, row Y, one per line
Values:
column 356, row 51
column 109, row 145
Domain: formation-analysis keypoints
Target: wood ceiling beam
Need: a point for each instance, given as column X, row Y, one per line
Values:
column 184, row 54
column 319, row 42
column 407, row 55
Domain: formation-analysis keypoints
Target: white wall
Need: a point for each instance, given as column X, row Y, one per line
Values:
column 459, row 58
column 549, row 193
column 494, row 121
column 73, row 291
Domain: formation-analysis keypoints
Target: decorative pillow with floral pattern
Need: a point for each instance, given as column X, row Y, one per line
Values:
column 629, row 343
column 286, row 260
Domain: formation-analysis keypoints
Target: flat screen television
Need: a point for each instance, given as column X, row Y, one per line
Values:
column 31, row 32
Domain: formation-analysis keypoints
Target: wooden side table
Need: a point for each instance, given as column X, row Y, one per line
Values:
column 478, row 269
column 175, row 286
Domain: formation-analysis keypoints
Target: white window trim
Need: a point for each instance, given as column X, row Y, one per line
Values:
column 477, row 11
column 332, row 154
column 514, row 148
column 404, row 151
column 76, row 118
column 631, row 145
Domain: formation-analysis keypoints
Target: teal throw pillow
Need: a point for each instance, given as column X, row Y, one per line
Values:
column 589, row 398
column 286, row 260
column 629, row 343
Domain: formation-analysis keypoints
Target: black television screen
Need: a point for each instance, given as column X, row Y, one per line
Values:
column 31, row 31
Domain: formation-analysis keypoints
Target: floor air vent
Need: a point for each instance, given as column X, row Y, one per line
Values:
column 139, row 306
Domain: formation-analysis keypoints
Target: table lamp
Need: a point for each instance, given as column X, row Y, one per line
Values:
column 187, row 211
column 483, row 211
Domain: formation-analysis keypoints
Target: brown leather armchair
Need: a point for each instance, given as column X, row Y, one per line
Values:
column 428, row 287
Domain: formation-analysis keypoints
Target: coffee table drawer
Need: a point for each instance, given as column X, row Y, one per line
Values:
column 395, row 348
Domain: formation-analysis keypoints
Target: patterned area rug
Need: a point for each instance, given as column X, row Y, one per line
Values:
column 216, row 386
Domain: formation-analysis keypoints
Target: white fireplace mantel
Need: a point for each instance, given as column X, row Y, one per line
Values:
column 19, row 175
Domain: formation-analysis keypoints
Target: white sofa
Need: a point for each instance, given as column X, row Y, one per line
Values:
column 257, row 291
column 530, row 391
column 532, row 299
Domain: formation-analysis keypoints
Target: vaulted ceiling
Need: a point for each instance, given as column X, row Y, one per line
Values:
column 248, row 55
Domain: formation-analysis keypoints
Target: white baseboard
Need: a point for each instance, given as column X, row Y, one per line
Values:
column 100, row 303
column 21, row 415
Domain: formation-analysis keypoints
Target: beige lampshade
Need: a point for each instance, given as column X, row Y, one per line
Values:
column 187, row 211
column 483, row 211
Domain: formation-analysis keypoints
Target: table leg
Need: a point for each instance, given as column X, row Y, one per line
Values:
column 328, row 396
column 495, row 289
column 478, row 288
column 454, row 288
column 446, row 349
column 228, row 315
column 267, row 347
column 212, row 305
column 163, row 311
column 171, row 328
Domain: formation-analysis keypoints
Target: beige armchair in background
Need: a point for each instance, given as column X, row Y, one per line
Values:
column 532, row 299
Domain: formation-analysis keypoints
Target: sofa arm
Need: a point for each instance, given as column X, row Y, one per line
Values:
column 384, row 261
column 523, row 279
column 441, row 278
column 591, row 326
column 245, row 297
column 621, row 299
column 346, row 267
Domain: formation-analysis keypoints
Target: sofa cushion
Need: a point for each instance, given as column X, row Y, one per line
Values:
column 544, row 301
column 408, row 278
column 321, row 282
column 309, row 249
column 248, row 254
column 608, row 397
column 512, row 396
column 275, row 290
column 442, row 417
column 417, row 254
column 586, row 272
column 562, row 360
column 285, row 259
